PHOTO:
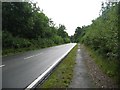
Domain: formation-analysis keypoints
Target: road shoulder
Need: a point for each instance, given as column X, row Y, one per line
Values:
column 81, row 77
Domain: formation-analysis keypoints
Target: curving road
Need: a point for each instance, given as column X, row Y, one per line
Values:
column 18, row 71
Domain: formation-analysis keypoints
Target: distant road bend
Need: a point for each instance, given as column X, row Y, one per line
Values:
column 25, row 69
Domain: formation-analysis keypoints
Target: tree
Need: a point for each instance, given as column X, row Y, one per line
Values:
column 26, row 26
column 77, row 33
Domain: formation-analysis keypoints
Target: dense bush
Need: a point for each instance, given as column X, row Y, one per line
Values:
column 57, row 39
column 102, row 35
column 7, row 41
column 26, row 26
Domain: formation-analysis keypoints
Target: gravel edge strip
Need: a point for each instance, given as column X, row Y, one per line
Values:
column 100, row 79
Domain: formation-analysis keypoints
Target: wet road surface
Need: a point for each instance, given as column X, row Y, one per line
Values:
column 81, row 78
column 18, row 71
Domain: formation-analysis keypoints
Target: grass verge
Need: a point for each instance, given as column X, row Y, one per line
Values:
column 62, row 75
column 109, row 67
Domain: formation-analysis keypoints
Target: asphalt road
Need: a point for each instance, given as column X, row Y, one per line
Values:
column 18, row 71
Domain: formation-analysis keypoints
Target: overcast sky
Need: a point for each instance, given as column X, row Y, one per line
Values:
column 71, row 13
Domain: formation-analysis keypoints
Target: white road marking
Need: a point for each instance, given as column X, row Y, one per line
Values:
column 2, row 66
column 33, row 56
column 78, row 50
column 48, row 70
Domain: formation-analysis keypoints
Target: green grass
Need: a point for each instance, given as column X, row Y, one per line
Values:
column 62, row 75
column 109, row 67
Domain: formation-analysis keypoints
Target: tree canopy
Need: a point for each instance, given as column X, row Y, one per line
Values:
column 24, row 25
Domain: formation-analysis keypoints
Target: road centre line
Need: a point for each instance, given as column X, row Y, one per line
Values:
column 2, row 66
column 33, row 56
column 47, row 71
column 78, row 50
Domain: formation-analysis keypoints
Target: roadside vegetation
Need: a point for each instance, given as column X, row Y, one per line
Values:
column 63, row 73
column 26, row 27
column 101, row 39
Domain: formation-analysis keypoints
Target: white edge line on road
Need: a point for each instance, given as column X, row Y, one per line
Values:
column 33, row 56
column 49, row 69
column 2, row 66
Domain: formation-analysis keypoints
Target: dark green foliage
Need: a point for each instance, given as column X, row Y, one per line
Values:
column 7, row 41
column 102, row 38
column 79, row 33
column 72, row 39
column 24, row 25
column 102, row 35
column 119, row 41
column 57, row 39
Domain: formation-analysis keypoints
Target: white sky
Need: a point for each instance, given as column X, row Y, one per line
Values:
column 71, row 13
